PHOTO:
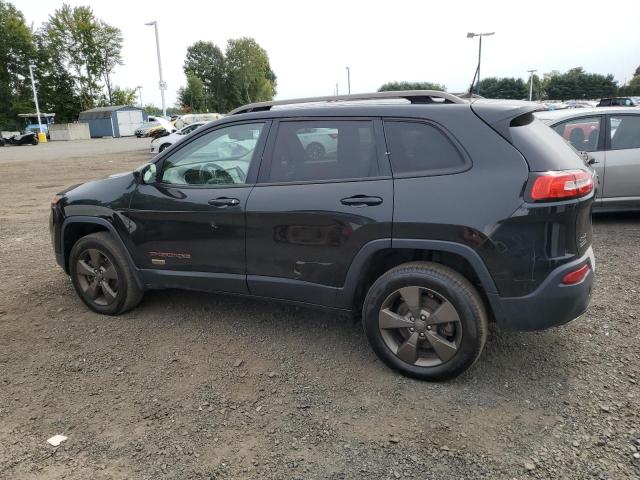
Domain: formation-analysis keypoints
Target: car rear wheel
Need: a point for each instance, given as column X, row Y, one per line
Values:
column 101, row 275
column 425, row 320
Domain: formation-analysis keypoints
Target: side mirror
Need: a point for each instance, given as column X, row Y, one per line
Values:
column 146, row 174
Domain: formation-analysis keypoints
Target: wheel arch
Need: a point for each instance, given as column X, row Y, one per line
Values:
column 378, row 256
column 74, row 228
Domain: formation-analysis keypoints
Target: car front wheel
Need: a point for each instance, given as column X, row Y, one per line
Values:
column 101, row 275
column 425, row 320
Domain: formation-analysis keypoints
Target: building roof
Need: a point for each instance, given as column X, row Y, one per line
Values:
column 104, row 112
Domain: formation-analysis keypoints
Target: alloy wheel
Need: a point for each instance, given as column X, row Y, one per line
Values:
column 97, row 277
column 420, row 326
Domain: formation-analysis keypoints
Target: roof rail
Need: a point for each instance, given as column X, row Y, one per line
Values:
column 414, row 96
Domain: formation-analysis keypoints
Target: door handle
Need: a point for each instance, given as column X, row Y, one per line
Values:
column 224, row 202
column 361, row 201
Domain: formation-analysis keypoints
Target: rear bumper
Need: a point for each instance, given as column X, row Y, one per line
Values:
column 551, row 304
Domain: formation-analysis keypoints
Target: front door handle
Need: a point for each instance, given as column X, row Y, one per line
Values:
column 224, row 202
column 361, row 201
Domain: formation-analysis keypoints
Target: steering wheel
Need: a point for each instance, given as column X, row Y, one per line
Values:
column 215, row 174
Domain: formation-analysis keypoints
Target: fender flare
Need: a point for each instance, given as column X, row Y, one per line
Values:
column 345, row 296
column 112, row 230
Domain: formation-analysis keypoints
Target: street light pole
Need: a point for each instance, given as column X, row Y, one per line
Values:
column 349, row 80
column 531, row 72
column 35, row 98
column 163, row 86
column 139, row 88
column 471, row 35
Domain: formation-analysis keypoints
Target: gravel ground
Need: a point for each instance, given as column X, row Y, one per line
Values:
column 197, row 386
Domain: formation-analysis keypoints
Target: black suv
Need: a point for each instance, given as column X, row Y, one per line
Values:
column 429, row 215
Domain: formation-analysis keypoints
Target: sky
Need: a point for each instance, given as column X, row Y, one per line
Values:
column 310, row 44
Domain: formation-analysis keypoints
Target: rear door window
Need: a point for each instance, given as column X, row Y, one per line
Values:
column 583, row 133
column 418, row 148
column 625, row 131
column 323, row 150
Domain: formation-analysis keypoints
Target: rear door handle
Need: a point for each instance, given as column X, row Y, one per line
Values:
column 224, row 202
column 361, row 201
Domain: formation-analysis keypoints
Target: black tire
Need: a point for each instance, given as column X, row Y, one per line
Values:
column 442, row 284
column 128, row 294
column 163, row 147
column 315, row 151
column 34, row 141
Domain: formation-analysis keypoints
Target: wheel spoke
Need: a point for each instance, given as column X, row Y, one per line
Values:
column 445, row 313
column 444, row 348
column 110, row 273
column 412, row 296
column 84, row 268
column 408, row 351
column 109, row 294
column 95, row 257
column 92, row 290
column 389, row 319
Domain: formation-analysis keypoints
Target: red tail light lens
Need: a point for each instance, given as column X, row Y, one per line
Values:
column 562, row 184
column 576, row 276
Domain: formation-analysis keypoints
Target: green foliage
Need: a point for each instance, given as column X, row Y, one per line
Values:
column 509, row 88
column 577, row 84
column 124, row 96
column 242, row 75
column 395, row 86
column 16, row 51
column 154, row 110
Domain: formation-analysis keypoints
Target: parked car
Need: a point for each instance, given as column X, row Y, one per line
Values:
column 143, row 130
column 618, row 102
column 611, row 136
column 433, row 218
column 160, row 143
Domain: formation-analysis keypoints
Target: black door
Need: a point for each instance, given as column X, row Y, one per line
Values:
column 190, row 225
column 324, row 192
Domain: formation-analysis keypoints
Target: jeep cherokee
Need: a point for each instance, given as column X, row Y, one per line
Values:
column 431, row 217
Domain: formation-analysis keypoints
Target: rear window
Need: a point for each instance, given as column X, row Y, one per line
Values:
column 417, row 148
column 583, row 133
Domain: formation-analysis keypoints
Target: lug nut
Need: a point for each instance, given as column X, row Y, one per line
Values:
column 422, row 317
column 422, row 334
column 428, row 327
column 412, row 329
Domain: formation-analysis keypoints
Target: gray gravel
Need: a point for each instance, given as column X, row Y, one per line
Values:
column 196, row 386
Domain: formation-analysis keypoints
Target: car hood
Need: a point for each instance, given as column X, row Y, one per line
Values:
column 106, row 194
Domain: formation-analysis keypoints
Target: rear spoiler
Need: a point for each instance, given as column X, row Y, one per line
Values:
column 503, row 114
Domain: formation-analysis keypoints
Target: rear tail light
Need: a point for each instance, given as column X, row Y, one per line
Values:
column 333, row 135
column 577, row 275
column 562, row 184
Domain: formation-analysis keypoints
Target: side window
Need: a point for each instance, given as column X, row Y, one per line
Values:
column 417, row 148
column 625, row 132
column 324, row 150
column 583, row 133
column 221, row 157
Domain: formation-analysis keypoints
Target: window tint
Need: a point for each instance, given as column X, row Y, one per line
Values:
column 221, row 157
column 323, row 150
column 583, row 133
column 625, row 132
column 419, row 148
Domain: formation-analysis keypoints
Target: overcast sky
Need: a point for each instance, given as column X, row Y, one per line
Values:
column 310, row 43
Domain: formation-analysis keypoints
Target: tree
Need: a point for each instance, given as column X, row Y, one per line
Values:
column 192, row 97
column 86, row 47
column 16, row 52
column 395, row 86
column 637, row 72
column 578, row 84
column 249, row 77
column 509, row 88
column 123, row 96
column 206, row 62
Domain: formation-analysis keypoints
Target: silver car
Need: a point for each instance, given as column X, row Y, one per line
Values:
column 612, row 137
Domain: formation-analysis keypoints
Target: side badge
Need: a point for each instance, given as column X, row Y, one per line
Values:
column 157, row 261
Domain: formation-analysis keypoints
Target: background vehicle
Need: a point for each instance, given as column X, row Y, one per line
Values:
column 31, row 122
column 434, row 217
column 29, row 138
column 612, row 137
column 617, row 102
column 143, row 130
column 160, row 143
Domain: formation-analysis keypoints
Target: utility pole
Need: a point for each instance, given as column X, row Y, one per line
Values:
column 163, row 85
column 349, row 80
column 35, row 99
column 471, row 35
column 531, row 72
column 139, row 88
column 337, row 91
